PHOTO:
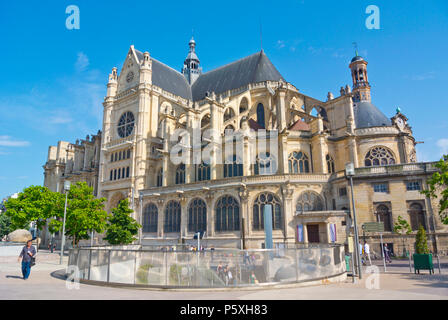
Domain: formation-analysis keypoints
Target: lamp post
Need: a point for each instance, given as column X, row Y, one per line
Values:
column 349, row 173
column 66, row 189
column 140, row 231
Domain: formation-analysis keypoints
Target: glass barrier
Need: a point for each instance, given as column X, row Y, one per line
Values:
column 208, row 268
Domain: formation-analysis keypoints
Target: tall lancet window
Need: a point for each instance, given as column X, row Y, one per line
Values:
column 260, row 115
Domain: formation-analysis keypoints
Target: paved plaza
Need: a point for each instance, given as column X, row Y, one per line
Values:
column 396, row 283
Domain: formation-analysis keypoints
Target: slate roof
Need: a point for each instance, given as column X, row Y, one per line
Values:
column 367, row 115
column 254, row 68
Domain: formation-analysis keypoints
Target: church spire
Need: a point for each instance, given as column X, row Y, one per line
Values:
column 191, row 69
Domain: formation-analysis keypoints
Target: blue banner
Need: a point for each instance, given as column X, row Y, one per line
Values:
column 267, row 216
column 300, row 232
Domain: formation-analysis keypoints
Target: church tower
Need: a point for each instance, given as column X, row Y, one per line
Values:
column 191, row 69
column 361, row 86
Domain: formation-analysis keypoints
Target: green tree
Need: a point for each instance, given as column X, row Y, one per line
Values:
column 421, row 242
column 84, row 214
column 33, row 204
column 5, row 225
column 121, row 227
column 402, row 227
column 438, row 183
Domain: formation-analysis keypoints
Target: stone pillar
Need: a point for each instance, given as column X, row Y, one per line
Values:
column 283, row 154
column 210, row 214
column 281, row 109
column 160, row 218
column 184, row 216
column 305, row 233
column 154, row 122
column 288, row 211
column 244, row 209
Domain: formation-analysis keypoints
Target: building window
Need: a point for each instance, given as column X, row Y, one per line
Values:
column 260, row 115
column 383, row 214
column 343, row 192
column 380, row 187
column 227, row 214
column 197, row 216
column 330, row 164
column 115, row 156
column 150, row 218
column 115, row 174
column 127, row 172
column 309, row 201
column 413, row 186
column 119, row 156
column 159, row 181
column 180, row 174
column 112, row 157
column 202, row 172
column 265, row 164
column 233, row 167
column 417, row 216
column 126, row 124
column 172, row 217
column 128, row 154
column 111, row 174
column 228, row 114
column 298, row 162
column 379, row 156
column 258, row 211
column 243, row 105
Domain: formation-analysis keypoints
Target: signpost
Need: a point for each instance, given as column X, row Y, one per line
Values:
column 376, row 227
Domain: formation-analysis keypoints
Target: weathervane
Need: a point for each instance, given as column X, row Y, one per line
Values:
column 355, row 45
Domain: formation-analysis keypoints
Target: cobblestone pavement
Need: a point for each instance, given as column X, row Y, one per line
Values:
column 397, row 283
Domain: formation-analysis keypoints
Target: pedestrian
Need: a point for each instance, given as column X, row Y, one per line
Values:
column 253, row 278
column 229, row 276
column 361, row 253
column 367, row 252
column 246, row 258
column 386, row 253
column 28, row 252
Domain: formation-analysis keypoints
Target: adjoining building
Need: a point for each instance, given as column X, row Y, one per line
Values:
column 296, row 164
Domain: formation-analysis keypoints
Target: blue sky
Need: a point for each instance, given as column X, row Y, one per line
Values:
column 54, row 79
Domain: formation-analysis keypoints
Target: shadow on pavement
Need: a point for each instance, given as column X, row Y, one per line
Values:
column 14, row 277
column 59, row 274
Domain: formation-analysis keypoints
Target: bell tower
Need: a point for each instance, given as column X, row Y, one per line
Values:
column 191, row 69
column 361, row 86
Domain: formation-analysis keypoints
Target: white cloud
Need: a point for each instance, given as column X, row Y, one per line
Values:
column 82, row 62
column 424, row 76
column 443, row 146
column 7, row 141
column 280, row 44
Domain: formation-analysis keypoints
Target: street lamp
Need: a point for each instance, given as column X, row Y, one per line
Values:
column 66, row 189
column 349, row 173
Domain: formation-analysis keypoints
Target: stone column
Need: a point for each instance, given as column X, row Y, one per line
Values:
column 160, row 218
column 283, row 154
column 244, row 209
column 288, row 212
column 184, row 216
column 281, row 109
column 210, row 214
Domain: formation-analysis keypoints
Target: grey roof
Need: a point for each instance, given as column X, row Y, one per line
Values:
column 254, row 68
column 367, row 115
column 357, row 58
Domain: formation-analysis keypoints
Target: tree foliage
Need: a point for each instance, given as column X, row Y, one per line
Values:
column 421, row 242
column 84, row 214
column 33, row 204
column 121, row 227
column 5, row 225
column 402, row 226
column 439, row 183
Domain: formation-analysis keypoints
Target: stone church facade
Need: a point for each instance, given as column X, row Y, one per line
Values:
column 248, row 139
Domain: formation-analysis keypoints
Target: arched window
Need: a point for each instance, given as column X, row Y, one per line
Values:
column 172, row 217
column 205, row 121
column 197, row 216
column 159, row 181
column 298, row 162
column 260, row 202
column 228, row 114
column 260, row 115
column 180, row 174
column 244, row 105
column 229, row 128
column 417, row 216
column 330, row 164
column 309, row 201
column 227, row 214
column 379, row 156
column 383, row 215
column 150, row 218
column 265, row 164
column 233, row 167
column 202, row 172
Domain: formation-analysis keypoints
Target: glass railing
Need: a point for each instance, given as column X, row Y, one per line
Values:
column 177, row 267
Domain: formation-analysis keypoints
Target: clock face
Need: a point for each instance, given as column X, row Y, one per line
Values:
column 130, row 76
column 400, row 123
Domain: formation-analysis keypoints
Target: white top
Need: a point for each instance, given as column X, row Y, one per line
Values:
column 367, row 248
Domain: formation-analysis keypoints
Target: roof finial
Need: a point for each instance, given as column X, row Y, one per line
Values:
column 355, row 45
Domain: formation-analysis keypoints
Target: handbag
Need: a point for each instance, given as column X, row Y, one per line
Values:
column 33, row 261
